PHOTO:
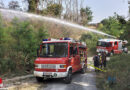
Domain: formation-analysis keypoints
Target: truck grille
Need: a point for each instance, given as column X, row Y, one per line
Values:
column 48, row 66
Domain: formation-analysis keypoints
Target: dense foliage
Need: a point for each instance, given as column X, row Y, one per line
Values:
column 32, row 5
column 126, row 34
column 119, row 68
column 53, row 10
column 114, row 25
column 18, row 44
column 86, row 15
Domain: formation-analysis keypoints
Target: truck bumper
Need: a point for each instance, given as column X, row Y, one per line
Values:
column 51, row 74
column 1, row 85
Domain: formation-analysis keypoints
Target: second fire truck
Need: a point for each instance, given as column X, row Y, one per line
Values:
column 111, row 46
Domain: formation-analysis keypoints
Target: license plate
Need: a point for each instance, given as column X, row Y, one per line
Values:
column 47, row 73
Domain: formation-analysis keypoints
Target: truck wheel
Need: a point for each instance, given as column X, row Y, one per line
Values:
column 83, row 70
column 68, row 79
column 39, row 79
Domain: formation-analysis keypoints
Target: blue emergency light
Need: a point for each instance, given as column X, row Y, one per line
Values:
column 67, row 38
column 45, row 39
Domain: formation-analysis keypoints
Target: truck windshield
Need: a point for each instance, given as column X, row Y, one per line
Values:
column 104, row 44
column 54, row 50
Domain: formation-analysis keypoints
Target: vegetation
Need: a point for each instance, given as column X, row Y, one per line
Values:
column 18, row 44
column 126, row 34
column 119, row 68
column 53, row 10
column 32, row 5
column 86, row 15
column 14, row 5
column 114, row 25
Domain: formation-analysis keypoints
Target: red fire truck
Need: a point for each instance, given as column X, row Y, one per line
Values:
column 60, row 58
column 111, row 46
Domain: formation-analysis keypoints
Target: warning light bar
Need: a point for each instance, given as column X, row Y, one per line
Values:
column 64, row 39
column 57, row 39
column 67, row 39
column 45, row 40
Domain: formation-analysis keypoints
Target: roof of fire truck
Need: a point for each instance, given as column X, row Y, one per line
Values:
column 63, row 40
column 109, row 40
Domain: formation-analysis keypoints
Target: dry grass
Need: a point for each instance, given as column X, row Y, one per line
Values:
column 58, row 30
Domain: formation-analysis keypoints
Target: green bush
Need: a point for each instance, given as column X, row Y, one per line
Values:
column 19, row 41
column 119, row 67
column 128, row 48
column 7, row 65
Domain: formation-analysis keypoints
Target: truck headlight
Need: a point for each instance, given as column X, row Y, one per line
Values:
column 106, row 52
column 63, row 66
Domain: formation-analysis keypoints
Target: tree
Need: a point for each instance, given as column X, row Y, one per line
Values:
column 14, row 5
column 33, row 5
column 126, row 34
column 1, row 4
column 113, row 25
column 54, row 9
column 71, row 8
column 86, row 15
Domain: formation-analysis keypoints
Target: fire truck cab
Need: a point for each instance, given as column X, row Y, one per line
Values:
column 60, row 58
column 111, row 46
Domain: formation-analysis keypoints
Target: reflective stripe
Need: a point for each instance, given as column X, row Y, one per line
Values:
column 100, row 58
column 50, row 70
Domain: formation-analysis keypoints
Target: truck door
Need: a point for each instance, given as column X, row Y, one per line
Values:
column 75, row 59
column 115, row 47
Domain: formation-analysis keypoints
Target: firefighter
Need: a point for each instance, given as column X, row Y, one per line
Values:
column 100, row 59
column 125, row 49
column 96, row 62
column 81, row 56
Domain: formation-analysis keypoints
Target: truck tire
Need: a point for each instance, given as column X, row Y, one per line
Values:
column 68, row 79
column 83, row 70
column 39, row 79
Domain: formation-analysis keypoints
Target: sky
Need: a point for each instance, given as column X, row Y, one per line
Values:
column 102, row 8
